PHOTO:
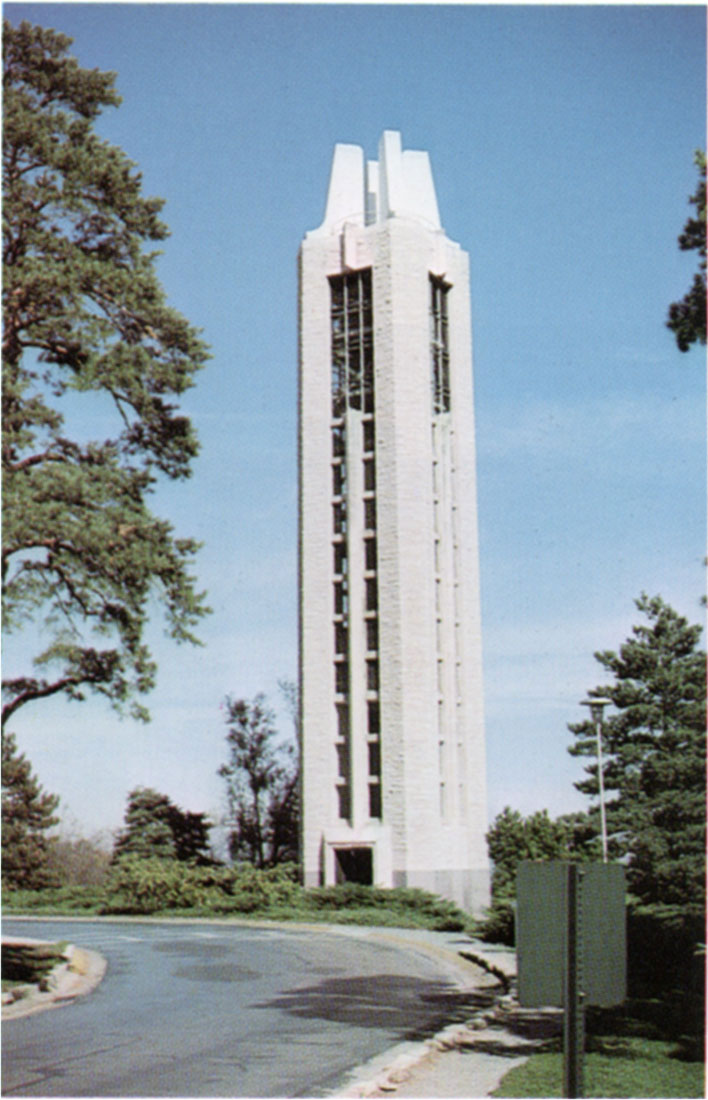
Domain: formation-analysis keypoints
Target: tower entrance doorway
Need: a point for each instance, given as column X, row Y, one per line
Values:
column 354, row 865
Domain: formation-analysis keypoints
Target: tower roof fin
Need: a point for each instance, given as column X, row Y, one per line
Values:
column 398, row 185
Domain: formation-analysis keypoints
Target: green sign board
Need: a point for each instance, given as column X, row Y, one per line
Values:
column 596, row 923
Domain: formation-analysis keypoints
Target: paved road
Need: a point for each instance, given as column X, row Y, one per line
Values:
column 221, row 1010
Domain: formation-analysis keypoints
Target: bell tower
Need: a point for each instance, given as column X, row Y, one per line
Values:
column 393, row 768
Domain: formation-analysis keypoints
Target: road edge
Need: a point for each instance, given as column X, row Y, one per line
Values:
column 79, row 975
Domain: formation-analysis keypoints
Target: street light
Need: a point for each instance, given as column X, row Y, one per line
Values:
column 597, row 707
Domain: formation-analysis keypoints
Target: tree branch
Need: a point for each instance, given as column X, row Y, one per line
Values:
column 39, row 690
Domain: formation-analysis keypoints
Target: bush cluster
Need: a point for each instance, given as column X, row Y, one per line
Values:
column 55, row 899
column 417, row 906
column 143, row 886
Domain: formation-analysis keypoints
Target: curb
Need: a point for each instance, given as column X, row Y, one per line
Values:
column 392, row 1068
column 385, row 1072
column 79, row 975
column 408, row 1062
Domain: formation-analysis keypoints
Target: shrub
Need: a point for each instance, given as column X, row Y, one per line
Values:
column 246, row 889
column 138, row 885
column 499, row 924
column 142, row 886
column 665, row 949
column 418, row 906
column 67, row 899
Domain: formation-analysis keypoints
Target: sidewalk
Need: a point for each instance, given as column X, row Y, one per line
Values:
column 469, row 1059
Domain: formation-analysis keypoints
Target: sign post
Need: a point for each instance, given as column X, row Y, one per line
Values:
column 573, row 995
column 571, row 946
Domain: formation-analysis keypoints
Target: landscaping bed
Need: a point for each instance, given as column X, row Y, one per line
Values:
column 27, row 967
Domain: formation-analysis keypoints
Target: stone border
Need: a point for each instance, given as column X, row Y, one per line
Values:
column 79, row 975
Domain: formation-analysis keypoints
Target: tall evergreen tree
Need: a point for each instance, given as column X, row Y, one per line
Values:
column 654, row 748
column 147, row 831
column 156, row 828
column 687, row 318
column 84, row 314
column 28, row 813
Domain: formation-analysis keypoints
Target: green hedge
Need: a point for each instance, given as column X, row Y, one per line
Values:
column 141, row 887
column 153, row 885
column 55, row 899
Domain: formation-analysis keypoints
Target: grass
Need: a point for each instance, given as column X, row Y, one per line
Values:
column 650, row 1046
column 55, row 901
column 624, row 1068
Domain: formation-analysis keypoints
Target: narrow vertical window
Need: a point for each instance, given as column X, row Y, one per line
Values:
column 341, row 598
column 352, row 342
column 341, row 678
column 340, row 518
column 338, row 441
column 342, row 721
column 352, row 383
column 340, row 638
column 340, row 557
column 338, row 479
column 344, row 802
column 343, row 760
column 439, row 346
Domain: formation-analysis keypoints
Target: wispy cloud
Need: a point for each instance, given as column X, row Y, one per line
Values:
column 557, row 427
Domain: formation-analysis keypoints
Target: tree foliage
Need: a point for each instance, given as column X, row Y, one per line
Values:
column 687, row 318
column 514, row 838
column 84, row 314
column 27, row 815
column 76, row 860
column 157, row 829
column 654, row 757
column 262, row 786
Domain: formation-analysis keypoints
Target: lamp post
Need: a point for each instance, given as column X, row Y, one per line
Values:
column 597, row 707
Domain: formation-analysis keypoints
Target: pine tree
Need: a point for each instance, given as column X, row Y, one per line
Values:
column 27, row 814
column 84, row 314
column 687, row 318
column 654, row 749
column 156, row 828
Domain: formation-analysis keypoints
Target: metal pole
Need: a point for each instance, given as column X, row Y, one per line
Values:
column 597, row 707
column 574, row 1016
column 601, row 777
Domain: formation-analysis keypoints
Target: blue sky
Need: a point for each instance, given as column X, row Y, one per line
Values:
column 561, row 140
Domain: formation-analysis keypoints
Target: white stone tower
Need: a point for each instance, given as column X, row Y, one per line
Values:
column 393, row 769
